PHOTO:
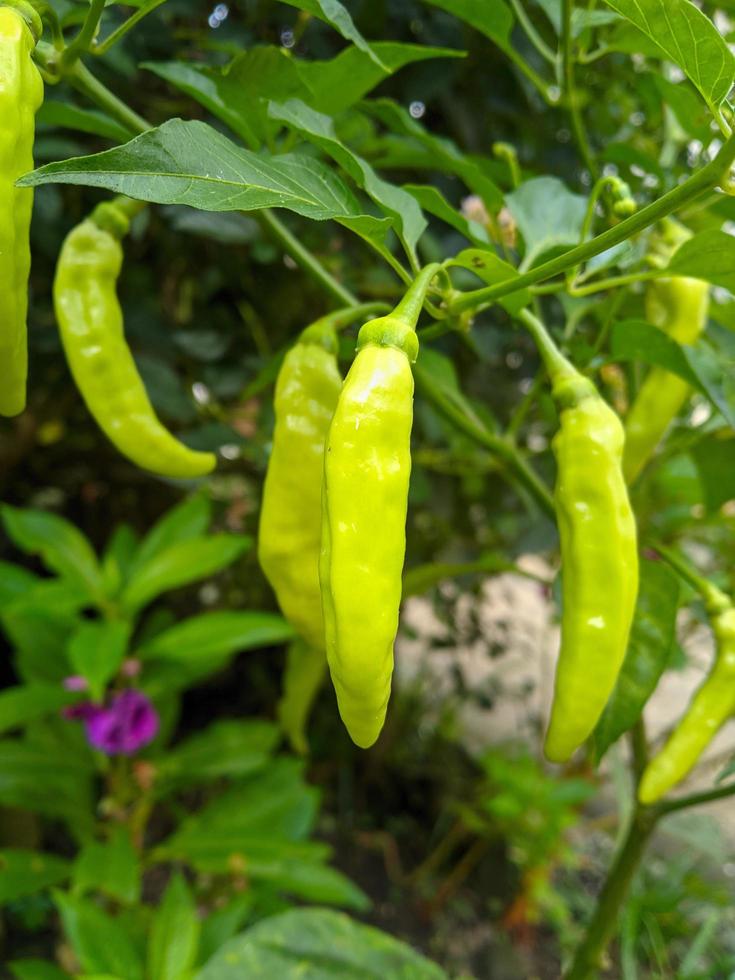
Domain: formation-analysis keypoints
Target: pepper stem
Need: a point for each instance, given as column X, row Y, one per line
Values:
column 715, row 599
column 339, row 319
column 556, row 364
column 409, row 309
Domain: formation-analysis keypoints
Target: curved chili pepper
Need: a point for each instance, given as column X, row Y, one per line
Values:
column 367, row 465
column 289, row 540
column 21, row 94
column 679, row 307
column 711, row 706
column 599, row 553
column 91, row 326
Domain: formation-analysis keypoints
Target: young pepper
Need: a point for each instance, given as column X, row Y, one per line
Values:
column 21, row 94
column 367, row 465
column 599, row 553
column 289, row 538
column 712, row 705
column 677, row 305
column 91, row 326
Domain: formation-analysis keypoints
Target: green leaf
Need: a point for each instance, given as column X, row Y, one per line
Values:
column 224, row 96
column 191, row 163
column 187, row 520
column 15, row 581
column 111, row 866
column 180, row 564
column 119, row 556
column 226, row 748
column 691, row 114
column 223, row 923
column 25, row 872
column 53, row 112
column 101, row 943
column 700, row 366
column 487, row 266
column 317, row 944
column 432, row 200
column 26, row 703
column 418, row 580
column 216, row 635
column 174, row 937
column 96, row 651
column 494, row 20
column 337, row 84
column 443, row 153
column 61, row 546
column 649, row 649
column 714, row 458
column 333, row 13
column 710, row 255
column 275, row 800
column 689, row 39
column 47, row 782
column 548, row 216
column 396, row 202
column 39, row 636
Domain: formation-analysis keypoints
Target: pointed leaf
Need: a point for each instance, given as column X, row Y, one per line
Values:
column 333, row 13
column 96, row 651
column 174, row 937
column 180, row 564
column 101, row 943
column 23, row 704
column 689, row 39
column 489, row 267
column 111, row 866
column 61, row 546
column 191, row 163
column 215, row 635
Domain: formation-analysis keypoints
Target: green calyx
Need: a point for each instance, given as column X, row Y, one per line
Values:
column 323, row 332
column 390, row 331
column 110, row 218
column 569, row 390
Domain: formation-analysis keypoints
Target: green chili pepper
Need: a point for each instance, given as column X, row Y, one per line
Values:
column 91, row 325
column 306, row 667
column 367, row 466
column 598, row 551
column 712, row 705
column 289, row 540
column 679, row 307
column 21, row 94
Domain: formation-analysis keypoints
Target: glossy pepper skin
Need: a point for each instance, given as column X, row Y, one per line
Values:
column 599, row 561
column 712, row 705
column 91, row 326
column 21, row 94
column 367, row 466
column 289, row 538
column 678, row 306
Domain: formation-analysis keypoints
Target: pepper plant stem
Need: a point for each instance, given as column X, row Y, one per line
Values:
column 602, row 926
column 303, row 257
column 705, row 179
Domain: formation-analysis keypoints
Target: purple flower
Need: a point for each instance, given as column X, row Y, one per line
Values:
column 122, row 727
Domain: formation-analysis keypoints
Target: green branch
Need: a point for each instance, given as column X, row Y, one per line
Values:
column 708, row 177
column 604, row 921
